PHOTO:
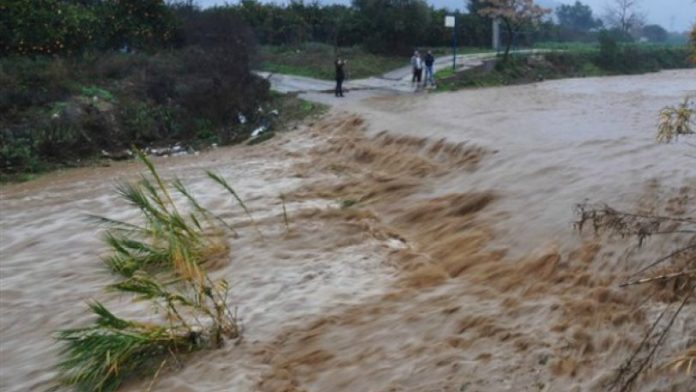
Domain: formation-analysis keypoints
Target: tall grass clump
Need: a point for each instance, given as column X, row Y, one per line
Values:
column 162, row 260
column 675, row 121
column 97, row 358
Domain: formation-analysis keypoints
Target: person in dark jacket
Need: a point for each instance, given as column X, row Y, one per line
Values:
column 429, row 61
column 340, row 75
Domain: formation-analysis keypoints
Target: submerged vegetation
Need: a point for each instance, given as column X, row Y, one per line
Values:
column 676, row 120
column 674, row 272
column 99, row 357
column 165, row 261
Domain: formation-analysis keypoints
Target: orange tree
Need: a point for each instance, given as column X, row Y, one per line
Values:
column 47, row 27
column 142, row 24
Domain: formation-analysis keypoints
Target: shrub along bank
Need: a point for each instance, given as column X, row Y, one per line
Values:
column 63, row 109
column 609, row 58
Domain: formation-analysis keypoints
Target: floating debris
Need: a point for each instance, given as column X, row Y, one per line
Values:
column 175, row 150
column 117, row 156
column 258, row 131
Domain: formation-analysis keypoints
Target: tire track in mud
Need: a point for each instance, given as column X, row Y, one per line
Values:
column 460, row 315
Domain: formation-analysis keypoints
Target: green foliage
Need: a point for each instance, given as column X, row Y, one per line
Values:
column 676, row 121
column 693, row 44
column 166, row 238
column 576, row 61
column 221, row 181
column 145, row 24
column 63, row 27
column 205, row 129
column 138, row 121
column 577, row 17
column 161, row 262
column 46, row 26
column 654, row 33
column 102, row 356
column 18, row 152
column 609, row 55
column 292, row 109
column 48, row 113
column 615, row 57
column 30, row 82
column 383, row 26
column 94, row 91
column 395, row 25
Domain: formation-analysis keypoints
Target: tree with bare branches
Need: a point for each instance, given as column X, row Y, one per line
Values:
column 513, row 14
column 624, row 15
column 676, row 270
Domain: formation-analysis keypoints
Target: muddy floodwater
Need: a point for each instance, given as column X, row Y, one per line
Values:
column 430, row 246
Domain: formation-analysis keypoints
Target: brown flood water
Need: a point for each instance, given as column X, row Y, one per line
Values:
column 458, row 269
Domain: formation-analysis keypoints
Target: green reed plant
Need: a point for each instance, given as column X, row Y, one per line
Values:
column 675, row 121
column 167, row 238
column 100, row 357
column 161, row 260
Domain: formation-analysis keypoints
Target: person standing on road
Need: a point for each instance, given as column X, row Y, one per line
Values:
column 340, row 75
column 429, row 61
column 417, row 66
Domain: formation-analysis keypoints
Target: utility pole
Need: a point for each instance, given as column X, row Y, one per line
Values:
column 496, row 35
column 450, row 21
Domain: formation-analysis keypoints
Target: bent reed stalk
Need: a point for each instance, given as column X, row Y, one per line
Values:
column 675, row 121
column 162, row 261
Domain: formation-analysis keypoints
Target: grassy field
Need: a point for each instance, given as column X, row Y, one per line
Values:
column 444, row 51
column 592, row 46
column 569, row 61
column 316, row 60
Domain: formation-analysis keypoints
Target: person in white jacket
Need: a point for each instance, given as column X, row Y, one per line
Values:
column 417, row 66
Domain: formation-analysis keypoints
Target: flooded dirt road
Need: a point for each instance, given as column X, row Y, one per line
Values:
column 430, row 246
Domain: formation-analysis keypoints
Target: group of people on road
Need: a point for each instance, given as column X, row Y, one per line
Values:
column 419, row 63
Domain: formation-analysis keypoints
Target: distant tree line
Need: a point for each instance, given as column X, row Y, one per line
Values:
column 380, row 25
column 393, row 26
column 49, row 27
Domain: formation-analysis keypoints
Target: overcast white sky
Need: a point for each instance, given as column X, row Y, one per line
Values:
column 676, row 15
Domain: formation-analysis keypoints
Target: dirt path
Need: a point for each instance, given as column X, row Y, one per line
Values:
column 430, row 246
